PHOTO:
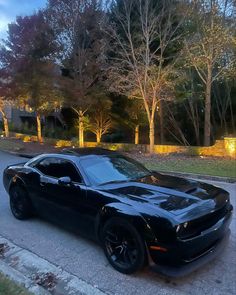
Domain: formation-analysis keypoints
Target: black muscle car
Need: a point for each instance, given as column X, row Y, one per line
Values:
column 139, row 216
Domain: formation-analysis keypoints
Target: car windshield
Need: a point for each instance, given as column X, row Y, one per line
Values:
column 103, row 170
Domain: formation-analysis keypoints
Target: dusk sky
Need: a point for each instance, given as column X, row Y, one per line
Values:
column 9, row 9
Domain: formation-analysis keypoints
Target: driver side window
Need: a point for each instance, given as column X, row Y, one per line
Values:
column 57, row 167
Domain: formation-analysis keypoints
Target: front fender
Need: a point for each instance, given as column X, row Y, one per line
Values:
column 10, row 180
column 129, row 214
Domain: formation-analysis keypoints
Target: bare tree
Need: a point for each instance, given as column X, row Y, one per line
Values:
column 192, row 103
column 174, row 126
column 77, row 25
column 209, row 49
column 136, row 117
column 141, row 33
column 192, row 110
column 100, row 124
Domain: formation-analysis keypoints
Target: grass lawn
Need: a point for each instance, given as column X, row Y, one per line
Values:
column 7, row 287
column 214, row 166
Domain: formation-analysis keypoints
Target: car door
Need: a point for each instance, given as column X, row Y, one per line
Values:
column 62, row 203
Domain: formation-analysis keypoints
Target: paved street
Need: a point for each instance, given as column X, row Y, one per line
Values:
column 85, row 259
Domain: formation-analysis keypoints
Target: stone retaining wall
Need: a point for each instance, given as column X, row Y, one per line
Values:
column 221, row 148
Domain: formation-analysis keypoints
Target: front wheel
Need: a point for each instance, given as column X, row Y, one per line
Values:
column 123, row 246
column 20, row 203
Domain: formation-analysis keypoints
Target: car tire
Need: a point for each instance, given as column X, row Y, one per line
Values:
column 20, row 203
column 123, row 246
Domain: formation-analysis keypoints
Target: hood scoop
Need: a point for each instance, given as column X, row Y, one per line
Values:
column 173, row 195
column 190, row 191
column 173, row 203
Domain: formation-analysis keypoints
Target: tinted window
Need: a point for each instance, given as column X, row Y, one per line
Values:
column 101, row 170
column 57, row 167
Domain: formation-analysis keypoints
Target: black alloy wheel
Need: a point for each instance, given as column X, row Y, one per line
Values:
column 123, row 246
column 19, row 203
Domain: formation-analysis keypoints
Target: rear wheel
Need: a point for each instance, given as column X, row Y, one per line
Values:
column 20, row 203
column 123, row 246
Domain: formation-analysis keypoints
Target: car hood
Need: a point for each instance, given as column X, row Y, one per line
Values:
column 177, row 196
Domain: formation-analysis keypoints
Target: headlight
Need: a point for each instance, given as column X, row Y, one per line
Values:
column 162, row 228
column 181, row 226
column 185, row 224
column 178, row 228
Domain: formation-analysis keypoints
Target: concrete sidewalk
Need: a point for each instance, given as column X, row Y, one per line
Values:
column 38, row 275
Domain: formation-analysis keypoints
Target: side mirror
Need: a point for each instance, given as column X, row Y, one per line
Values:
column 66, row 180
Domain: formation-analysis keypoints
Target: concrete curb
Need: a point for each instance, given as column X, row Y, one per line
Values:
column 31, row 271
column 18, row 278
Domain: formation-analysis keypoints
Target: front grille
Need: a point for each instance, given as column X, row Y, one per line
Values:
column 195, row 227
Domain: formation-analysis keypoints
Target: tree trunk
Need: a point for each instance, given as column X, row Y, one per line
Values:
column 39, row 129
column 98, row 136
column 151, row 136
column 136, row 136
column 207, row 121
column 230, row 107
column 5, row 124
column 160, row 112
column 193, row 115
column 232, row 116
column 81, row 132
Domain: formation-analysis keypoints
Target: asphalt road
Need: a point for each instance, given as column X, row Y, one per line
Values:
column 85, row 259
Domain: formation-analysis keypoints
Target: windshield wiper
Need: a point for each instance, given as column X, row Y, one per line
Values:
column 113, row 181
column 140, row 177
column 127, row 180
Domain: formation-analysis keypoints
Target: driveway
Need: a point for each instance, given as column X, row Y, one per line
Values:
column 85, row 259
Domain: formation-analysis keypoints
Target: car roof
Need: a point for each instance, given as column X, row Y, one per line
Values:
column 88, row 151
column 77, row 153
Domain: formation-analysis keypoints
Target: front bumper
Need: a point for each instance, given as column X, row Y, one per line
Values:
column 185, row 256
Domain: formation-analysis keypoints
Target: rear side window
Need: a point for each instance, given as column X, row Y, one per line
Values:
column 57, row 167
